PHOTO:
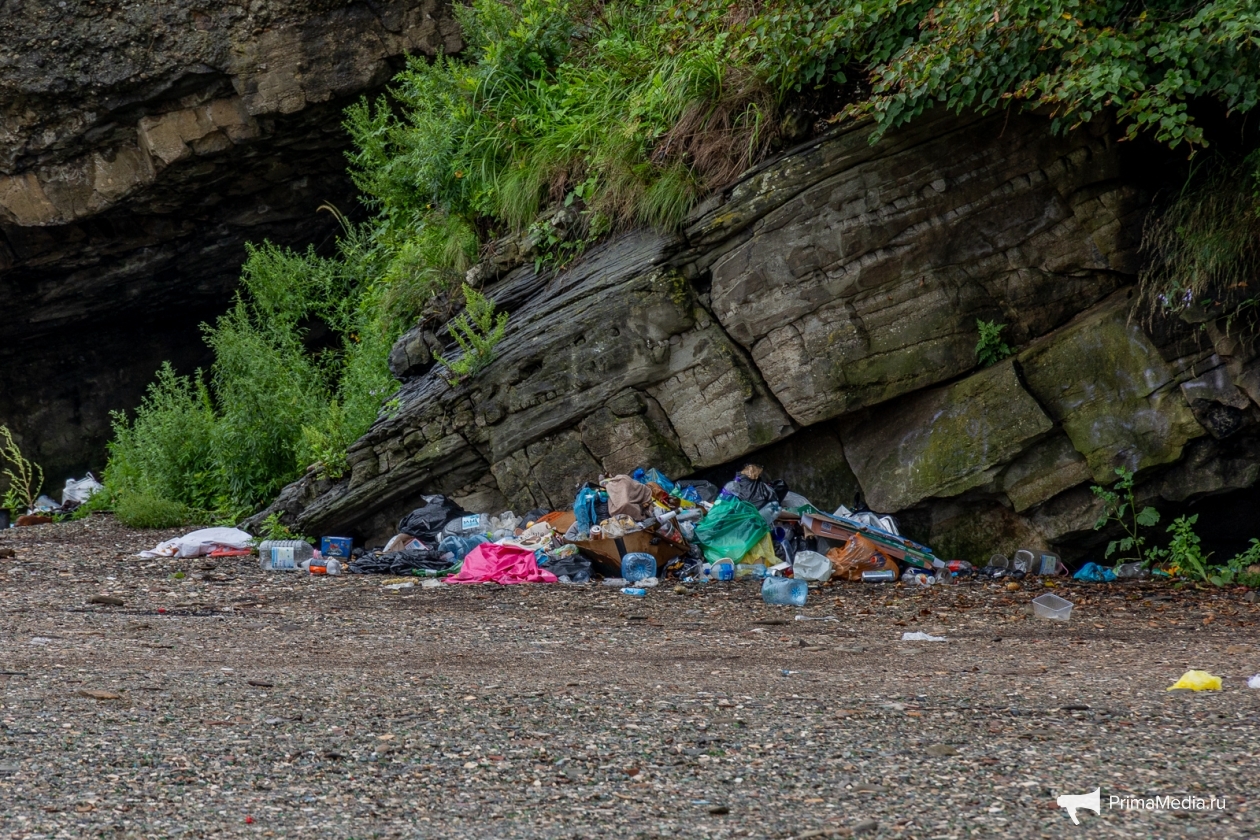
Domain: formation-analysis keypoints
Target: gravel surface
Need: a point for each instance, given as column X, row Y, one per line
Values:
column 234, row 702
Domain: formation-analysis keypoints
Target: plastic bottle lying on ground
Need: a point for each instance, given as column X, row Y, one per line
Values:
column 635, row 591
column 781, row 590
column 284, row 555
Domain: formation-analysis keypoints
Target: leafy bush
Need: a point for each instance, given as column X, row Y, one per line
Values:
column 220, row 447
column 1243, row 568
column 139, row 510
column 991, row 349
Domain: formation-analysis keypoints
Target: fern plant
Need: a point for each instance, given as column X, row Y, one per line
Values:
column 991, row 349
column 476, row 330
column 25, row 477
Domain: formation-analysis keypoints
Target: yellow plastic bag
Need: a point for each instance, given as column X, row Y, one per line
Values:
column 1197, row 681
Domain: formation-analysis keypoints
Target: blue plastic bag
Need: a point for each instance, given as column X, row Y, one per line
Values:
column 584, row 509
column 460, row 546
column 659, row 478
column 1093, row 573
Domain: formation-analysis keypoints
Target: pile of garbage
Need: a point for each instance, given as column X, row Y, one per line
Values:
column 633, row 531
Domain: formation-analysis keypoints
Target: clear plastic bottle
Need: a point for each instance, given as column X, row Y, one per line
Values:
column 635, row 591
column 1131, row 571
column 781, row 590
column 284, row 555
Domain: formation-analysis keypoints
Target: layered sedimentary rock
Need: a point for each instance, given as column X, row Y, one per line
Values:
column 141, row 145
column 820, row 317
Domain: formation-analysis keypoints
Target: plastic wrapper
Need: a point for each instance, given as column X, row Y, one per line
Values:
column 810, row 565
column 1093, row 573
column 856, row 556
column 1197, row 681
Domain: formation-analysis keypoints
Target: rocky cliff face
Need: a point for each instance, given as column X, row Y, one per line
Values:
column 819, row 317
column 141, row 144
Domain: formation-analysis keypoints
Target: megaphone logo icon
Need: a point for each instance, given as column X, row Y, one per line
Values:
column 1072, row 802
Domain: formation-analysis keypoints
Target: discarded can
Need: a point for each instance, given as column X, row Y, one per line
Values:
column 636, row 591
column 881, row 576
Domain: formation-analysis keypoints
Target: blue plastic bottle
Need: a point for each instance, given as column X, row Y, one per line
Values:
column 638, row 566
column 781, row 590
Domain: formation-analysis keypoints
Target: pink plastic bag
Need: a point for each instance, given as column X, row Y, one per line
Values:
column 501, row 564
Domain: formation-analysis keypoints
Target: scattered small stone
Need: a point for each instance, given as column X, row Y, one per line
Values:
column 6, row 553
column 108, row 600
column 97, row 694
column 680, row 589
column 866, row 826
column 941, row 750
column 260, row 683
column 1074, row 708
column 718, row 810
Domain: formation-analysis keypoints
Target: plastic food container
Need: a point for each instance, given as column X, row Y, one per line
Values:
column 1052, row 607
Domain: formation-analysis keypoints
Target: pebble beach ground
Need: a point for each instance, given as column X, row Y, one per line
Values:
column 230, row 702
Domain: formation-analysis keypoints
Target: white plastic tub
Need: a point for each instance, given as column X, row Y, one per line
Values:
column 1052, row 607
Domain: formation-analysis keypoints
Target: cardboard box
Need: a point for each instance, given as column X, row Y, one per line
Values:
column 605, row 555
column 907, row 551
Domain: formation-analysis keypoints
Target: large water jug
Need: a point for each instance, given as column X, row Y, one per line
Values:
column 637, row 566
column 781, row 590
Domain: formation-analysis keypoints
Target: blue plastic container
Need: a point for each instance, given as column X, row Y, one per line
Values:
column 781, row 590
column 637, row 566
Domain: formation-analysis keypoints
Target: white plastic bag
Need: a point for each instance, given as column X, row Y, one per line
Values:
column 80, row 489
column 200, row 542
column 810, row 565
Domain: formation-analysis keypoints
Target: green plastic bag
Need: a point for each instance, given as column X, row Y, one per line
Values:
column 731, row 529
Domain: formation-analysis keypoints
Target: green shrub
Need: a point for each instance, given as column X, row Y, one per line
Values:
column 1239, row 569
column 140, row 510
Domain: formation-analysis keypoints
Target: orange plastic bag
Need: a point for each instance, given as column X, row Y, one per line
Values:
column 859, row 555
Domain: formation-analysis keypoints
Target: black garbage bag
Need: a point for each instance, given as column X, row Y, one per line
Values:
column 577, row 567
column 406, row 562
column 425, row 523
column 780, row 488
column 752, row 490
column 706, row 490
